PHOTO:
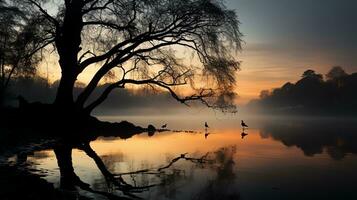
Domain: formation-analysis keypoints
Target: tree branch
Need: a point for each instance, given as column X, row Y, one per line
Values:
column 108, row 24
column 92, row 7
column 45, row 13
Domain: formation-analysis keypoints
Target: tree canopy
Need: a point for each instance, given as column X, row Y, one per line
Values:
column 139, row 42
column 311, row 74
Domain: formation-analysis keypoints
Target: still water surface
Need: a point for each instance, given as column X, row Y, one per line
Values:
column 277, row 159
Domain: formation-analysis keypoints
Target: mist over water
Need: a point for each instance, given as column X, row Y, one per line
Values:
column 278, row 157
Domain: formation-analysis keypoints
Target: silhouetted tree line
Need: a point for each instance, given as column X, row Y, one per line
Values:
column 312, row 94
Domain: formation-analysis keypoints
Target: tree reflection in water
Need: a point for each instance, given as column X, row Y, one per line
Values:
column 166, row 179
column 336, row 137
column 222, row 186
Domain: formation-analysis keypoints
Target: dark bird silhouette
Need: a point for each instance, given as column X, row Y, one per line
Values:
column 243, row 134
column 206, row 125
column 244, row 125
column 164, row 126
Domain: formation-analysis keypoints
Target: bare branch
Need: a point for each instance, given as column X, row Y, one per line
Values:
column 108, row 24
column 45, row 13
column 93, row 6
column 84, row 54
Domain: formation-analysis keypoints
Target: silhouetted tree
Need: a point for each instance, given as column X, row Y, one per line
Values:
column 133, row 42
column 335, row 73
column 311, row 74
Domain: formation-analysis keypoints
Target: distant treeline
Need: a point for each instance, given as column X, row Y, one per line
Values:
column 312, row 94
column 121, row 101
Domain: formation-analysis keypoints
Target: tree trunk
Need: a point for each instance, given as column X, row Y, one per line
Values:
column 68, row 41
column 64, row 160
column 64, row 96
column 69, row 178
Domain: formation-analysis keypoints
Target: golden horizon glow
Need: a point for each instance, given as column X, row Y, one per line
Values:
column 257, row 73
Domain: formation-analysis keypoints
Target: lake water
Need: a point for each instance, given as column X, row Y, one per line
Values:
column 277, row 159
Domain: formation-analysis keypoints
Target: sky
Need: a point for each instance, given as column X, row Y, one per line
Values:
column 283, row 38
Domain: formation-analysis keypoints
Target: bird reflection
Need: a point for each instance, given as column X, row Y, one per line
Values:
column 206, row 135
column 243, row 134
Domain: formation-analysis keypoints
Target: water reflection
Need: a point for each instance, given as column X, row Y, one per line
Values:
column 275, row 160
column 222, row 187
column 337, row 137
column 167, row 180
column 243, row 134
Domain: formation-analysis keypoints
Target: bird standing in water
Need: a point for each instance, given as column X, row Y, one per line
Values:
column 206, row 131
column 244, row 125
